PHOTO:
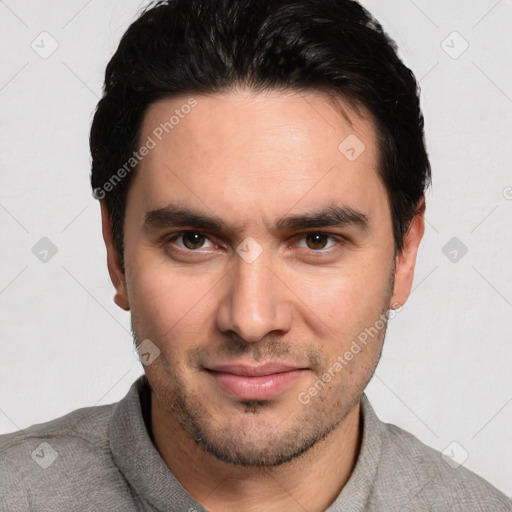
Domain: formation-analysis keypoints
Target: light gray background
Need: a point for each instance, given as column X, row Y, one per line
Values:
column 445, row 370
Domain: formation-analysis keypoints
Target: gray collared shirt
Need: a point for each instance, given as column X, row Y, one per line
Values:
column 103, row 459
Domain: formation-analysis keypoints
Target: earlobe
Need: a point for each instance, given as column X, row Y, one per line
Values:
column 406, row 258
column 115, row 270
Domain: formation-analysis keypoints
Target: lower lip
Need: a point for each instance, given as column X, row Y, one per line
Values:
column 263, row 387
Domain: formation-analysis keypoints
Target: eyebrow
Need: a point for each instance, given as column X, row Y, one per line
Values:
column 331, row 216
column 176, row 216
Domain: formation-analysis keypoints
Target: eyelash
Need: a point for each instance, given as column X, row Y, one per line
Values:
column 338, row 238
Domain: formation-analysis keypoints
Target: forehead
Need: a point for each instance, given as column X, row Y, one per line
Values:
column 244, row 150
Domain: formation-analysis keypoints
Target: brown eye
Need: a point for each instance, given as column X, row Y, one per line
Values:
column 316, row 240
column 193, row 239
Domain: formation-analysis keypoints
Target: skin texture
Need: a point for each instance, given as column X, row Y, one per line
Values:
column 249, row 159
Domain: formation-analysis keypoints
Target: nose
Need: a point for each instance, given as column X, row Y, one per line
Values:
column 255, row 303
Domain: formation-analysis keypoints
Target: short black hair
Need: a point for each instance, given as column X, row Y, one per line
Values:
column 180, row 47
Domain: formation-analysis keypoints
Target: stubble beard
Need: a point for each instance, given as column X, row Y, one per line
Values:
column 256, row 445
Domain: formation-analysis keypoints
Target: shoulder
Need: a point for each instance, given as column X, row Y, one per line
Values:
column 432, row 478
column 68, row 456
column 75, row 423
column 83, row 429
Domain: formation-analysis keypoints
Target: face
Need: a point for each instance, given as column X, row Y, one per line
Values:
column 258, row 252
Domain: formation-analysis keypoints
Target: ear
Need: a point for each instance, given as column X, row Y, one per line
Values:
column 406, row 258
column 115, row 269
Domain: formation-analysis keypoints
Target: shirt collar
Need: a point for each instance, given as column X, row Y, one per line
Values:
column 138, row 459
column 356, row 492
column 140, row 462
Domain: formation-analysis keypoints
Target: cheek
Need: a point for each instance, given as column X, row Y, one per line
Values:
column 347, row 298
column 168, row 304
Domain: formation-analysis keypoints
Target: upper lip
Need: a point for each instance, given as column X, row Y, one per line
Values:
column 253, row 371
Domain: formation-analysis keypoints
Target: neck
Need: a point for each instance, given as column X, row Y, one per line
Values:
column 309, row 482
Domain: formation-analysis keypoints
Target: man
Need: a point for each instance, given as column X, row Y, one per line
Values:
column 261, row 171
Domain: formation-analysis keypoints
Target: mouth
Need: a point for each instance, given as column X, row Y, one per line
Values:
column 249, row 382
